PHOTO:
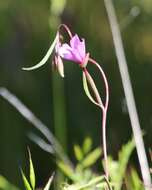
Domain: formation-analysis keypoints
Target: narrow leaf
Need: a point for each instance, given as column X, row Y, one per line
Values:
column 92, row 183
column 86, row 89
column 32, row 173
column 6, row 185
column 78, row 152
column 25, row 181
column 106, row 185
column 136, row 182
column 124, row 156
column 46, row 57
column 120, row 166
column 66, row 169
column 87, row 145
column 47, row 186
column 91, row 158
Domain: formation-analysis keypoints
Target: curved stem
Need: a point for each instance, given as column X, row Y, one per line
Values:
column 66, row 29
column 104, row 115
column 94, row 89
column 104, row 79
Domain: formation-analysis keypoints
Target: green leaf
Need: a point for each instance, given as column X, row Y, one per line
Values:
column 86, row 186
column 119, row 167
column 66, row 169
column 78, row 152
column 87, row 145
column 46, row 57
column 47, row 186
column 124, row 156
column 6, row 185
column 91, row 158
column 134, row 181
column 92, row 182
column 86, row 89
column 32, row 173
column 106, row 185
column 26, row 183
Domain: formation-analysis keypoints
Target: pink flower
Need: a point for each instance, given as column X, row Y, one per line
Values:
column 76, row 51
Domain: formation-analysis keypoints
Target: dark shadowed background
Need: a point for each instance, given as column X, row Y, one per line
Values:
column 27, row 28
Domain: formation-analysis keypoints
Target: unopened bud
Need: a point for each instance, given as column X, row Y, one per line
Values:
column 60, row 66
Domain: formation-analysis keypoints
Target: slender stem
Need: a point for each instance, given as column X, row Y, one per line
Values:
column 104, row 115
column 104, row 79
column 122, row 62
column 66, row 29
column 107, row 182
column 96, row 93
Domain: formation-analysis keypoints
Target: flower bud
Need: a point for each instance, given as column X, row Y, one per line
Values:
column 59, row 65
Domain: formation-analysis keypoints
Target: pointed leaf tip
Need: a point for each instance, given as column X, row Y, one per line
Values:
column 25, row 181
column 86, row 89
column 45, row 58
column 32, row 173
column 47, row 186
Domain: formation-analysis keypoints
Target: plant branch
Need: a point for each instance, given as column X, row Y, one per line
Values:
column 104, row 108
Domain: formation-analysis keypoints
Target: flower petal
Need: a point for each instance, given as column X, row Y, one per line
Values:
column 65, row 51
column 82, row 49
column 73, row 52
column 75, row 41
column 64, row 48
column 77, row 57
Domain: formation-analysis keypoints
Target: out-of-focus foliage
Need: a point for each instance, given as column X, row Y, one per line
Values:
column 133, row 180
column 25, row 35
column 85, row 158
column 117, row 169
column 84, row 177
column 6, row 185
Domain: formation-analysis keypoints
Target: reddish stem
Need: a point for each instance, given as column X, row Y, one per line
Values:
column 66, row 29
column 104, row 107
column 98, row 98
column 104, row 115
column 105, row 81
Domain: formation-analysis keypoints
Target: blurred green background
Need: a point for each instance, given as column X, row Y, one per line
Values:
column 27, row 29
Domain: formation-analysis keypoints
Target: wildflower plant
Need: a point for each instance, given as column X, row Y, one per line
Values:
column 75, row 51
